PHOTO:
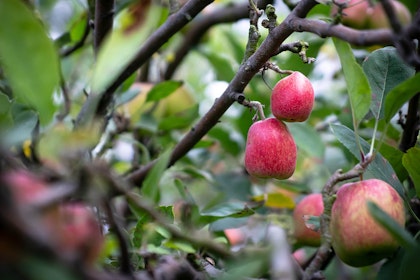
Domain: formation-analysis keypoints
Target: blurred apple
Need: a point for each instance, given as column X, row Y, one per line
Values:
column 379, row 19
column 310, row 205
column 355, row 14
column 77, row 232
column 235, row 236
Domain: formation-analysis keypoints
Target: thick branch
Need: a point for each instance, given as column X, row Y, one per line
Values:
column 247, row 70
column 173, row 24
column 104, row 16
column 224, row 14
column 355, row 37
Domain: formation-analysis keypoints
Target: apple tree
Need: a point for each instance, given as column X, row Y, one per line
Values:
column 200, row 139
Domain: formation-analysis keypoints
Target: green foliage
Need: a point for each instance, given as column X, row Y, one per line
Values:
column 385, row 70
column 386, row 221
column 26, row 52
column 411, row 161
column 357, row 83
column 184, row 210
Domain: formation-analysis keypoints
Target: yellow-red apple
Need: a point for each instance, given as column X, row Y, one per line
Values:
column 310, row 205
column 358, row 240
column 292, row 98
column 270, row 150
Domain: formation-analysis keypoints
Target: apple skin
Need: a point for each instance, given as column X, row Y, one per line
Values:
column 379, row 19
column 76, row 232
column 355, row 15
column 292, row 98
column 312, row 205
column 270, row 150
column 356, row 237
column 26, row 188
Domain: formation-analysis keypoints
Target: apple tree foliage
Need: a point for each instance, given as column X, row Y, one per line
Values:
column 141, row 109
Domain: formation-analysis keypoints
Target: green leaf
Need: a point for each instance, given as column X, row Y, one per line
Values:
column 411, row 162
column 28, row 58
column 398, row 232
column 162, row 90
column 5, row 111
column 400, row 95
column 357, row 83
column 119, row 49
column 179, row 120
column 384, row 70
column 150, row 187
column 276, row 200
column 379, row 168
column 394, row 156
column 230, row 209
column 307, row 139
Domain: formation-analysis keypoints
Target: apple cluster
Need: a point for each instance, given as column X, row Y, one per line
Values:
column 270, row 148
column 69, row 227
column 357, row 239
column 370, row 15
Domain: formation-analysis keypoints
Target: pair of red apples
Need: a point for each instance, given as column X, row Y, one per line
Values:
column 270, row 149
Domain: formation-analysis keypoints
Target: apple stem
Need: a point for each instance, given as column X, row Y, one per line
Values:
column 259, row 108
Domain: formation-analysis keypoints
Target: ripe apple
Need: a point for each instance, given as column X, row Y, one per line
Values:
column 76, row 232
column 270, row 150
column 292, row 98
column 26, row 188
column 358, row 240
column 355, row 14
column 235, row 236
column 311, row 205
column 379, row 19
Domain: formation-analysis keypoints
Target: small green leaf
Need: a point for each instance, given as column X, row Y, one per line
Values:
column 276, row 200
column 5, row 111
column 400, row 95
column 150, row 187
column 399, row 233
column 179, row 120
column 230, row 209
column 384, row 70
column 411, row 162
column 162, row 90
column 28, row 58
column 357, row 83
column 378, row 168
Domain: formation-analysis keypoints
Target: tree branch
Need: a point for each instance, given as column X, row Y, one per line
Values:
column 225, row 14
column 245, row 73
column 104, row 16
column 172, row 25
column 355, row 37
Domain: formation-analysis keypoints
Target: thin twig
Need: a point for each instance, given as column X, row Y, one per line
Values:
column 68, row 51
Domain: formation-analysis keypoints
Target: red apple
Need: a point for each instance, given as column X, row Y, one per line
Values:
column 235, row 236
column 76, row 232
column 311, row 205
column 379, row 19
column 26, row 188
column 292, row 98
column 355, row 14
column 270, row 150
column 358, row 240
